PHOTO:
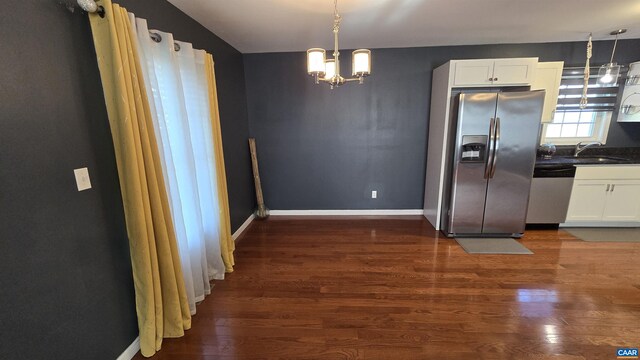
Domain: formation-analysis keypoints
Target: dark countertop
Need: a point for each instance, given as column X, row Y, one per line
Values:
column 563, row 163
column 583, row 160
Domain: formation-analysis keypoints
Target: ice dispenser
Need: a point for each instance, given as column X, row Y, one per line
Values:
column 473, row 148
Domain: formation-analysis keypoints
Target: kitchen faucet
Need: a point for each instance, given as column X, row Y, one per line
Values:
column 581, row 146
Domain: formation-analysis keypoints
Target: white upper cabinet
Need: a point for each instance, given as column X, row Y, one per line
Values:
column 473, row 72
column 519, row 71
column 494, row 72
column 629, row 110
column 548, row 77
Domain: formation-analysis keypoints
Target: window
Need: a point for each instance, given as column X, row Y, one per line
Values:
column 572, row 127
column 572, row 124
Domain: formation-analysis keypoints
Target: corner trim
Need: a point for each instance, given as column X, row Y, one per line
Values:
column 130, row 351
column 243, row 227
column 345, row 212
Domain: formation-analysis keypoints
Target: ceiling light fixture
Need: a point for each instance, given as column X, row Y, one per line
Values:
column 608, row 73
column 328, row 70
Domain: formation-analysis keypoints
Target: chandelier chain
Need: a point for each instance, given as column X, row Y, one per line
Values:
column 337, row 18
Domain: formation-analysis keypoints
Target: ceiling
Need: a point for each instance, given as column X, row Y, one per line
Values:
column 295, row 25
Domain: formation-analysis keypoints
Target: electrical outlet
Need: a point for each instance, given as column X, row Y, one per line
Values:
column 82, row 179
column 374, row 194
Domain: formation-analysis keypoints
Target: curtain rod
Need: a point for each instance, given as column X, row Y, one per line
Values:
column 90, row 6
column 158, row 38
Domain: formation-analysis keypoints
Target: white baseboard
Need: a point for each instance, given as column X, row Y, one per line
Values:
column 345, row 212
column 242, row 227
column 602, row 224
column 131, row 351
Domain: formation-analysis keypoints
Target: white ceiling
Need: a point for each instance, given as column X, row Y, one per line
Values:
column 296, row 25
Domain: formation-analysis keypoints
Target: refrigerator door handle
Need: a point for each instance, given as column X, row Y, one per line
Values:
column 496, row 147
column 487, row 168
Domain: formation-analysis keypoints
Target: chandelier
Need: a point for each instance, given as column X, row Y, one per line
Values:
column 328, row 70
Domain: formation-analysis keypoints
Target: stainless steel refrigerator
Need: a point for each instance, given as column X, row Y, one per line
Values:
column 496, row 137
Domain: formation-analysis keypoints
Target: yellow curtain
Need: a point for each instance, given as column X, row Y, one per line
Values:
column 226, row 242
column 161, row 299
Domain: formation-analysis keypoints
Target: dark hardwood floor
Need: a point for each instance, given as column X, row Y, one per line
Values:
column 393, row 288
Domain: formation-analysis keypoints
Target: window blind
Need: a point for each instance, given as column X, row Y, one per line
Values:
column 600, row 98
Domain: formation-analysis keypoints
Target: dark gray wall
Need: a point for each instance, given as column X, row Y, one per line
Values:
column 323, row 149
column 232, row 98
column 65, row 272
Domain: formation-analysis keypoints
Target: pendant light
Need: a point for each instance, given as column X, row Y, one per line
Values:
column 328, row 70
column 609, row 73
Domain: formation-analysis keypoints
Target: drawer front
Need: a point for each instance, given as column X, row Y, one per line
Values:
column 608, row 172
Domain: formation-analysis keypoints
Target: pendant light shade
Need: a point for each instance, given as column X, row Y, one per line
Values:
column 315, row 61
column 608, row 74
column 361, row 65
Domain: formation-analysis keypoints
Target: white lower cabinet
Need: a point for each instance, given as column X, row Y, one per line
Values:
column 588, row 199
column 599, row 198
column 623, row 202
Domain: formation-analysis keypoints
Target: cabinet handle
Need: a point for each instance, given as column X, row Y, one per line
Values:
column 495, row 79
column 608, row 187
column 613, row 187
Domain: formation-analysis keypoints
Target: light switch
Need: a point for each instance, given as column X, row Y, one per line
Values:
column 82, row 179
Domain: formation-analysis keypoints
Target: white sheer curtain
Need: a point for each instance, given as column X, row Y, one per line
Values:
column 176, row 84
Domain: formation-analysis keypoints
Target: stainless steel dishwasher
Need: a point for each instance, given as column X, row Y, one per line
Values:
column 549, row 195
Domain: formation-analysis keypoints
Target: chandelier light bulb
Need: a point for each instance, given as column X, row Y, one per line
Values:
column 361, row 65
column 315, row 61
column 330, row 69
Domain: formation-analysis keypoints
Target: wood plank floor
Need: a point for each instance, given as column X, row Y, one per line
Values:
column 393, row 288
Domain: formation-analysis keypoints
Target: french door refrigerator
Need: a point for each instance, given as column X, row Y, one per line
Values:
column 493, row 159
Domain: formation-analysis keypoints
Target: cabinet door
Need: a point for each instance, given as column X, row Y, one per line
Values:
column 473, row 73
column 631, row 88
column 548, row 77
column 518, row 71
column 623, row 202
column 588, row 199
